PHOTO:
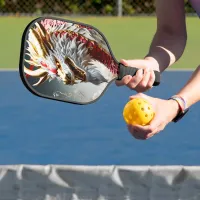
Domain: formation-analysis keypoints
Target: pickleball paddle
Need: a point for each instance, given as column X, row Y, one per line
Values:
column 68, row 61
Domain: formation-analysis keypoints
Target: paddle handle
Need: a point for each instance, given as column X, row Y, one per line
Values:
column 124, row 71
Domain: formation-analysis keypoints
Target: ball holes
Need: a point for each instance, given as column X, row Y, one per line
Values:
column 142, row 109
column 146, row 115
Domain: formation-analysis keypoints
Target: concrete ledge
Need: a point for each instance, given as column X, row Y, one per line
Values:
column 63, row 182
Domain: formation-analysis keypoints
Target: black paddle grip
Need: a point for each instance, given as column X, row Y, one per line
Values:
column 124, row 71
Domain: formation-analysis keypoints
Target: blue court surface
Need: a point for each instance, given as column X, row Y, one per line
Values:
column 40, row 131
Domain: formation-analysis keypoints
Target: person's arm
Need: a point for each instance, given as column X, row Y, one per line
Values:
column 166, row 48
column 167, row 110
column 170, row 38
column 191, row 91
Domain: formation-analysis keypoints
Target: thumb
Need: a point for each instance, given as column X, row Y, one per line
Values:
column 134, row 63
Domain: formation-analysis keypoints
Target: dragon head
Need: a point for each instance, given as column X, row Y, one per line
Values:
column 55, row 57
column 63, row 54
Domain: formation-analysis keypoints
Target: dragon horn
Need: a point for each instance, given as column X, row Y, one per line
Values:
column 41, row 80
column 38, row 43
column 41, row 29
column 36, row 73
column 45, row 37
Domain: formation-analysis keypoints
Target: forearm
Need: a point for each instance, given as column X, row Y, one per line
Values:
column 191, row 91
column 167, row 48
column 169, row 41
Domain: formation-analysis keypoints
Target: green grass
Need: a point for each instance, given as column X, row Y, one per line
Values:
column 128, row 37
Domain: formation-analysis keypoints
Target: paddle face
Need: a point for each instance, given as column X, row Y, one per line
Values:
column 66, row 61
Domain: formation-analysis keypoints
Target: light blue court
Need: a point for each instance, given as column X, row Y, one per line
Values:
column 40, row 131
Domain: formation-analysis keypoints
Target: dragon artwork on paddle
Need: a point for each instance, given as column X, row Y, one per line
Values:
column 68, row 52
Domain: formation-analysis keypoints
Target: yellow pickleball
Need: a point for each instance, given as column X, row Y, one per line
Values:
column 138, row 111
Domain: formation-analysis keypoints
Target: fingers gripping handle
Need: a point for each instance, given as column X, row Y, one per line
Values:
column 123, row 71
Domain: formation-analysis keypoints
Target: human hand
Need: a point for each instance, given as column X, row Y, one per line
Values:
column 144, row 78
column 165, row 112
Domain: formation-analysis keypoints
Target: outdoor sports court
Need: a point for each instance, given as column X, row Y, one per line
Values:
column 43, row 132
column 40, row 131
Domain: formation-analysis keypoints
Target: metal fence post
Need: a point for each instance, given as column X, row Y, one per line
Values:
column 119, row 8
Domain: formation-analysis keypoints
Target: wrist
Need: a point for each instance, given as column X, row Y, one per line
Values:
column 163, row 57
column 175, row 107
column 180, row 107
column 154, row 63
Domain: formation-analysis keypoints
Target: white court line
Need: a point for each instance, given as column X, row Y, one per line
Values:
column 180, row 69
column 8, row 70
